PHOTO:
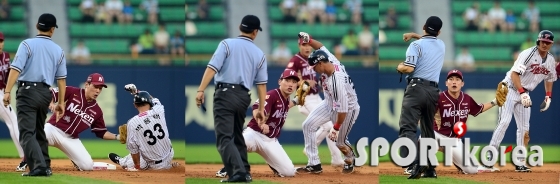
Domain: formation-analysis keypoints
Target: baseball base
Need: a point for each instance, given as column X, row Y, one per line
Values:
column 100, row 166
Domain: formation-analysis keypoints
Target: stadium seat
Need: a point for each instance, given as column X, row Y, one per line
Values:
column 202, row 46
column 395, row 38
column 403, row 22
column 14, row 29
column 172, row 14
column 114, row 46
column 400, row 7
column 320, row 31
column 11, row 44
column 392, row 53
column 371, row 14
column 490, row 53
column 292, row 44
column 211, row 29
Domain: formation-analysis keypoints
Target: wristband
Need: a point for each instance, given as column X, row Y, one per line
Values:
column 549, row 94
column 137, row 166
column 521, row 90
column 336, row 126
column 200, row 91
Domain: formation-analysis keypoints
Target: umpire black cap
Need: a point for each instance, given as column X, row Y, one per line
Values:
column 143, row 97
column 250, row 23
column 317, row 56
column 433, row 25
column 47, row 20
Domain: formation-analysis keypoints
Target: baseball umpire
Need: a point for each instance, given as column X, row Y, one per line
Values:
column 424, row 60
column 236, row 64
column 37, row 63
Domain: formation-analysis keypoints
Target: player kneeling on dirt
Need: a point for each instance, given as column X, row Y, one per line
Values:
column 145, row 135
column 264, row 139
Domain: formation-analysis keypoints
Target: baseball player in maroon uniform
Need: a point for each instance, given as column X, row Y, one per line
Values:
column 312, row 100
column 454, row 106
column 82, row 112
column 264, row 139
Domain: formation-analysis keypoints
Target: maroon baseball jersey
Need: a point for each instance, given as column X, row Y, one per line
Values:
column 299, row 64
column 79, row 114
column 277, row 107
column 453, row 110
column 4, row 69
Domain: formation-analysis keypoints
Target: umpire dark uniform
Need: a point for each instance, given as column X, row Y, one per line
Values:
column 37, row 63
column 236, row 64
column 424, row 60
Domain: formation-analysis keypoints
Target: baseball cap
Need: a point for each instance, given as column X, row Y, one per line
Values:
column 289, row 73
column 1, row 36
column 433, row 24
column 96, row 79
column 47, row 20
column 251, row 22
column 455, row 73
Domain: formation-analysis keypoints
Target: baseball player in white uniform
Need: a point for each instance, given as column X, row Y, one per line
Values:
column 533, row 65
column 299, row 64
column 147, row 136
column 340, row 106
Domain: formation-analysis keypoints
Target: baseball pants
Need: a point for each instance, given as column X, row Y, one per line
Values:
column 10, row 118
column 522, row 116
column 163, row 164
column 457, row 155
column 311, row 102
column 72, row 148
column 271, row 151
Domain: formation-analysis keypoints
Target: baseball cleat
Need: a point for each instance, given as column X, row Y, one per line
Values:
column 348, row 168
column 522, row 169
column 482, row 169
column 313, row 169
column 430, row 173
column 175, row 164
column 75, row 166
column 408, row 170
column 417, row 171
column 459, row 169
column 114, row 157
column 22, row 166
column 221, row 173
column 275, row 172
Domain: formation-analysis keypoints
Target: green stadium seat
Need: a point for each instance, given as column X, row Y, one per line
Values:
column 14, row 29
column 370, row 3
column 395, row 38
column 545, row 8
column 11, row 44
column 550, row 22
column 112, row 46
column 117, row 30
column 18, row 13
column 371, row 14
column 403, row 22
column 400, row 7
column 196, row 1
column 274, row 13
column 496, row 54
column 202, row 46
column 485, row 38
column 211, row 29
column 74, row 13
column 292, row 44
column 12, row 2
column 216, row 13
column 392, row 53
column 172, row 14
column 317, row 30
column 74, row 2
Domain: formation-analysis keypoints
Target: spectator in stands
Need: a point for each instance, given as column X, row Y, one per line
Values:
column 303, row 13
column 465, row 60
column 391, row 19
column 152, row 9
column 484, row 22
column 177, row 44
column 80, row 53
column 316, row 9
column 128, row 12
column 350, row 43
column 355, row 7
column 510, row 21
column 135, row 48
column 101, row 14
column 527, row 44
column 161, row 40
column 331, row 12
column 281, row 54
column 114, row 10
column 497, row 16
column 203, row 10
column 289, row 9
column 532, row 15
column 88, row 9
column 365, row 40
column 471, row 17
column 5, row 10
column 146, row 42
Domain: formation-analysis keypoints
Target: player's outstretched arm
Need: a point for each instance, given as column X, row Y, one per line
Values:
column 409, row 36
column 306, row 37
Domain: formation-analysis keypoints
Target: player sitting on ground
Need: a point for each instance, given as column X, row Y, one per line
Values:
column 82, row 112
column 264, row 140
column 454, row 106
column 147, row 138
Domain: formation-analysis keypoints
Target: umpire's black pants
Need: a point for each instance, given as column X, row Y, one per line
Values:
column 231, row 102
column 419, row 103
column 32, row 102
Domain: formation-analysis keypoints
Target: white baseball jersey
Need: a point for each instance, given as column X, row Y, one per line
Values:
column 147, row 133
column 532, row 69
column 339, row 91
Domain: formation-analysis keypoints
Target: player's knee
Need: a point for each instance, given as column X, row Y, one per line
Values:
column 85, row 166
column 288, row 171
column 470, row 170
column 303, row 110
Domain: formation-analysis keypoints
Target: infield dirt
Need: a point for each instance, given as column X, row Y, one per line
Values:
column 64, row 166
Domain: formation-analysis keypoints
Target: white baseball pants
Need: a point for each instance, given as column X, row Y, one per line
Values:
column 163, row 164
column 10, row 118
column 73, row 148
column 271, row 151
column 457, row 156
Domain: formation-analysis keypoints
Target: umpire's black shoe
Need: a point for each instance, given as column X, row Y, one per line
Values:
column 245, row 178
column 41, row 171
column 430, row 173
column 417, row 171
column 522, row 168
column 314, row 169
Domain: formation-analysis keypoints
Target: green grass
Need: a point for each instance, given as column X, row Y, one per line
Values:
column 442, row 180
column 98, row 149
column 208, row 154
column 205, row 180
column 15, row 177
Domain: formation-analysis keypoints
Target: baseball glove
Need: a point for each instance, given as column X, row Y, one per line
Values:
column 301, row 92
column 122, row 133
column 501, row 93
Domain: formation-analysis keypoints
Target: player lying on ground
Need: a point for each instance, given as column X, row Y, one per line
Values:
column 340, row 106
column 454, row 106
column 307, row 74
column 82, row 112
column 146, row 135
column 263, row 140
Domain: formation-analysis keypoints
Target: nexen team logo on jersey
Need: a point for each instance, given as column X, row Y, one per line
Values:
column 279, row 114
column 452, row 113
column 538, row 69
column 74, row 108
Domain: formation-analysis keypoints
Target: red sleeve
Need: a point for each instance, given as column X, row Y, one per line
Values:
column 269, row 102
column 474, row 108
column 69, row 90
column 294, row 64
column 98, row 126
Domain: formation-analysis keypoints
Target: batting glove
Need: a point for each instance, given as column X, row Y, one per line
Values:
column 526, row 100
column 546, row 103
column 305, row 37
column 333, row 133
column 131, row 169
column 131, row 88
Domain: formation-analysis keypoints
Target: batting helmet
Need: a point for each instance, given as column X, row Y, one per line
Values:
column 143, row 97
column 546, row 36
column 317, row 56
